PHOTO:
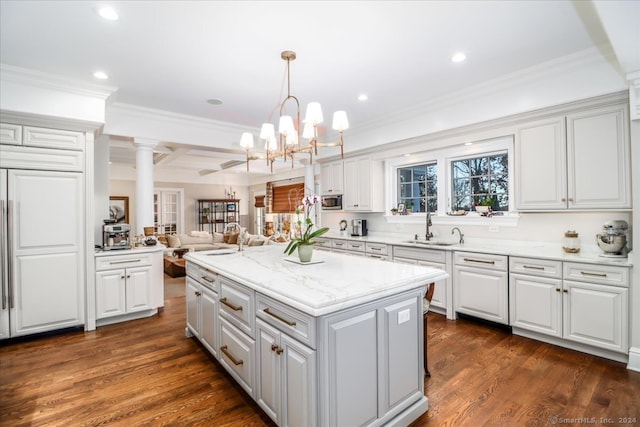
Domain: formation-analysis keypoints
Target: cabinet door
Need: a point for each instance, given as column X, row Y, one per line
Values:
column 536, row 304
column 209, row 319
column 440, row 288
column 299, row 384
column 110, row 293
column 350, row 196
column 268, row 385
column 598, row 152
column 332, row 176
column 596, row 315
column 4, row 256
column 237, row 353
column 192, row 295
column 401, row 360
column 46, row 211
column 139, row 295
column 541, row 165
column 352, row 369
column 481, row 293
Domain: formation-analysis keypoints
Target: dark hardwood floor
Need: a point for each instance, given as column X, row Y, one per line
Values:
column 146, row 372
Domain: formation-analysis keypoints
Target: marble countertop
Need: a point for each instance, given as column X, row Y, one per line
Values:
column 331, row 282
column 136, row 250
column 544, row 250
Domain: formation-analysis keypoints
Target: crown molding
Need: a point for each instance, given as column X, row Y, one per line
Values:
column 57, row 83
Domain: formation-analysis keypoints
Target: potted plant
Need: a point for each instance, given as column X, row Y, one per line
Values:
column 394, row 211
column 205, row 215
column 485, row 205
column 304, row 243
column 408, row 207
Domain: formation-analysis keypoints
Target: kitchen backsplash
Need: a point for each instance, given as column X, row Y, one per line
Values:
column 542, row 227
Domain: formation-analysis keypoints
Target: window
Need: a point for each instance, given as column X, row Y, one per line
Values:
column 477, row 179
column 418, row 187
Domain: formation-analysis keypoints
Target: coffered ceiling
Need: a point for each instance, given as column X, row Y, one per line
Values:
column 175, row 55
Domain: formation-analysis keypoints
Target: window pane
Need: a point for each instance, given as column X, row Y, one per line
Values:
column 479, row 178
column 405, row 190
column 404, row 175
column 419, row 173
column 416, row 184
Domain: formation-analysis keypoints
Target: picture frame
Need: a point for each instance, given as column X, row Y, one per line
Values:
column 231, row 207
column 119, row 209
column 402, row 209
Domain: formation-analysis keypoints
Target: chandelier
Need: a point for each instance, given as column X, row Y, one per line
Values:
column 287, row 145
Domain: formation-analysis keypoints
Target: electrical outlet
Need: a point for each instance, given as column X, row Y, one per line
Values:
column 494, row 228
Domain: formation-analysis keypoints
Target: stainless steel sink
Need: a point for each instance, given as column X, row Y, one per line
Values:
column 433, row 242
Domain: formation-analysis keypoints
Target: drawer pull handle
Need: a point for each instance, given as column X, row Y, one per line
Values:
column 533, row 267
column 586, row 273
column 235, row 361
column 277, row 349
column 483, row 261
column 231, row 306
column 376, row 249
column 288, row 322
column 125, row 261
column 206, row 279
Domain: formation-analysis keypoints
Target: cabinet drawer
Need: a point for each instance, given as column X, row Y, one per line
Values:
column 109, row 262
column 237, row 305
column 323, row 243
column 53, row 138
column 376, row 256
column 236, row 354
column 355, row 246
column 608, row 275
column 376, row 248
column 536, row 267
column 339, row 244
column 296, row 324
column 203, row 276
column 21, row 157
column 10, row 134
column 486, row 261
column 432, row 255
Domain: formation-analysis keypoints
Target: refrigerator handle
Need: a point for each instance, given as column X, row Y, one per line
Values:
column 3, row 251
column 9, row 258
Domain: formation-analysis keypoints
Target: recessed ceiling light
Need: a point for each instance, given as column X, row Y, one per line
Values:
column 100, row 75
column 215, row 101
column 459, row 57
column 362, row 97
column 407, row 155
column 109, row 13
column 468, row 143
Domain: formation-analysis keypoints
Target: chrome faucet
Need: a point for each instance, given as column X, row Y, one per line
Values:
column 428, row 235
column 460, row 233
column 240, row 234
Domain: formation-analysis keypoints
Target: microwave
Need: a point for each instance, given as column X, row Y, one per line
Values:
column 332, row 202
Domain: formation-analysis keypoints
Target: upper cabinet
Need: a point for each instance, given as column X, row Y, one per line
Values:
column 363, row 185
column 332, row 178
column 578, row 161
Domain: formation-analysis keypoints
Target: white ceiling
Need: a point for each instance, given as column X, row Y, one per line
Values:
column 174, row 55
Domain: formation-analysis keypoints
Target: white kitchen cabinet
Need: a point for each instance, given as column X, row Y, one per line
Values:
column 122, row 291
column 126, row 285
column 432, row 258
column 42, row 251
column 202, row 306
column 332, row 178
column 578, row 161
column 480, row 286
column 363, row 185
column 536, row 295
column 286, row 383
column 596, row 305
column 541, row 165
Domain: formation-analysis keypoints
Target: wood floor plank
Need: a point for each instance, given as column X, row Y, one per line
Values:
column 147, row 373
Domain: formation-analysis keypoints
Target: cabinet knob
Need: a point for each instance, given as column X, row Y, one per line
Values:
column 557, row 289
column 198, row 293
column 566, row 291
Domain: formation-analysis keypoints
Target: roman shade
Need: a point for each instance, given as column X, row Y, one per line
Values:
column 285, row 198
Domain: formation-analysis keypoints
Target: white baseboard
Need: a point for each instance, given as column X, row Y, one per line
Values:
column 634, row 359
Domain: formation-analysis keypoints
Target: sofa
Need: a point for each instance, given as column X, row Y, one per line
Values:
column 204, row 241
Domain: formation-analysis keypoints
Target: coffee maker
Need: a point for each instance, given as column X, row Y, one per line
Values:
column 358, row 227
column 115, row 236
column 613, row 240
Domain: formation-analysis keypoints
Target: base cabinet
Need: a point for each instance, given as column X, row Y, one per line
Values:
column 480, row 286
column 202, row 308
column 122, row 291
column 286, row 383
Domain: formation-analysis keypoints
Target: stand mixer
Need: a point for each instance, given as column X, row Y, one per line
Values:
column 613, row 241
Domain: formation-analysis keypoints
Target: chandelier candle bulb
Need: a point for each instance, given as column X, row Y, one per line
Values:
column 571, row 242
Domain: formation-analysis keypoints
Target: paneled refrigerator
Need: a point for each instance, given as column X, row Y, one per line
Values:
column 41, row 251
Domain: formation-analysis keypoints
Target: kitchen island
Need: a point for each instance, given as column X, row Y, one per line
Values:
column 337, row 341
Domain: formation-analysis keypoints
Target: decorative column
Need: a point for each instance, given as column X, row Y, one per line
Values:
column 144, row 183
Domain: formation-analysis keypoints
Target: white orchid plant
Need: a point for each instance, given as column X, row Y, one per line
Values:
column 309, row 234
